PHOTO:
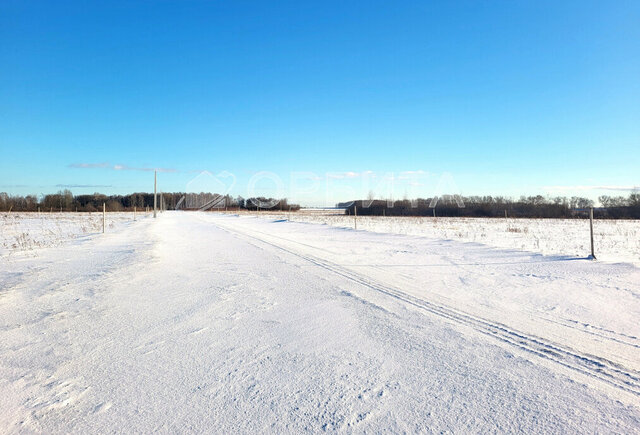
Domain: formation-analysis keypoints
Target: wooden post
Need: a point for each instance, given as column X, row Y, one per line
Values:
column 505, row 214
column 38, row 211
column 155, row 193
column 134, row 212
column 355, row 217
column 593, row 255
column 434, row 212
column 104, row 217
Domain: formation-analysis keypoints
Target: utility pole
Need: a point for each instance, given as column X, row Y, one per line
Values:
column 155, row 193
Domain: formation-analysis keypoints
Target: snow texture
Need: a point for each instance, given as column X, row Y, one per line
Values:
column 615, row 240
column 203, row 322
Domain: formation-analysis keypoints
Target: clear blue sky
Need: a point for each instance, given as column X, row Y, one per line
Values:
column 509, row 97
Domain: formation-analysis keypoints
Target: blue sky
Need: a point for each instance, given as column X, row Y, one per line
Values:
column 508, row 97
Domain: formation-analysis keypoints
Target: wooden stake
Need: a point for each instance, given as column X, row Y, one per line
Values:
column 155, row 193
column 355, row 217
column 104, row 217
column 593, row 255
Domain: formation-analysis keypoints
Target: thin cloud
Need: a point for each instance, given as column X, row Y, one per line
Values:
column 81, row 186
column 587, row 188
column 340, row 175
column 404, row 175
column 130, row 168
column 118, row 167
column 89, row 165
column 410, row 175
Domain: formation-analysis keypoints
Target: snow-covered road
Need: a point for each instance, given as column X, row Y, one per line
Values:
column 197, row 322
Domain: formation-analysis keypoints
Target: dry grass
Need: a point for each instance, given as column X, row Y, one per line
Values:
column 29, row 232
column 615, row 240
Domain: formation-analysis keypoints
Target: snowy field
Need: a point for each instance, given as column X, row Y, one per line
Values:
column 26, row 233
column 205, row 322
column 615, row 240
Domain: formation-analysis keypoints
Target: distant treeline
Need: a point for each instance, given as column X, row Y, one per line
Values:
column 617, row 207
column 64, row 200
column 265, row 204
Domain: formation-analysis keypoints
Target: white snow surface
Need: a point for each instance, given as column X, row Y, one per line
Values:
column 23, row 234
column 614, row 240
column 203, row 322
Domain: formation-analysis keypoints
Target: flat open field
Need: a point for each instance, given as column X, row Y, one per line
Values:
column 27, row 233
column 227, row 323
column 615, row 240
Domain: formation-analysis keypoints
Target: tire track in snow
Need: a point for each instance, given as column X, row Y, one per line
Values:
column 596, row 331
column 590, row 365
column 592, row 330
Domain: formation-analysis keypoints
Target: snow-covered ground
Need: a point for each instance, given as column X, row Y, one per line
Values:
column 26, row 233
column 202, row 322
column 615, row 240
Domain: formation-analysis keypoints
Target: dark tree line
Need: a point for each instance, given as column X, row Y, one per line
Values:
column 618, row 207
column 488, row 206
column 64, row 200
column 194, row 201
column 268, row 204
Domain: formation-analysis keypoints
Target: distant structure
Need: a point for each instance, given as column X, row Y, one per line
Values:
column 201, row 201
